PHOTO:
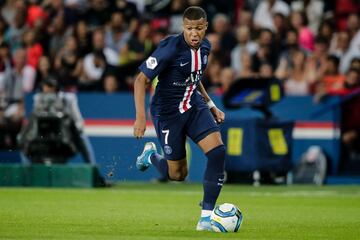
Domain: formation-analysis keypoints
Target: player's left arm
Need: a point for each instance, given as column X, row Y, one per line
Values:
column 218, row 114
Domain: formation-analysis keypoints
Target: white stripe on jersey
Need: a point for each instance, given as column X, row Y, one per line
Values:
column 199, row 60
column 192, row 60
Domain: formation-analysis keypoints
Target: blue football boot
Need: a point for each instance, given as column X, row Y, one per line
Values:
column 143, row 161
column 204, row 224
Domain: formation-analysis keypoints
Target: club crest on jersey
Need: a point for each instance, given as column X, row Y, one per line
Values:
column 167, row 149
column 151, row 63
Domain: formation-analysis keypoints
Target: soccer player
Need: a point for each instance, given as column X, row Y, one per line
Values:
column 180, row 108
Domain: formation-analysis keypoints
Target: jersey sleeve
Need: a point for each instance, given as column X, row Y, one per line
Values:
column 158, row 60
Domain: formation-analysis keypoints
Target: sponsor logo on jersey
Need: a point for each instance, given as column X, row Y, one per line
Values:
column 183, row 64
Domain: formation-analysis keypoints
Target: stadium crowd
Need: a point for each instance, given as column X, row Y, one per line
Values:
column 312, row 46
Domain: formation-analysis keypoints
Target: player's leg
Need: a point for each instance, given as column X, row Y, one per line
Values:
column 204, row 131
column 173, row 164
column 175, row 170
column 214, row 150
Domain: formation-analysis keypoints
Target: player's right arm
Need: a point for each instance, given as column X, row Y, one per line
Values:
column 139, row 95
column 149, row 69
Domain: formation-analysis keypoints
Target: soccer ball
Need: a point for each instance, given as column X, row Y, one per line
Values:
column 226, row 218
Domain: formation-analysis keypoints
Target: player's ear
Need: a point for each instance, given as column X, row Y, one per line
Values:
column 206, row 25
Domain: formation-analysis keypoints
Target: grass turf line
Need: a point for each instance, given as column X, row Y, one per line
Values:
column 170, row 211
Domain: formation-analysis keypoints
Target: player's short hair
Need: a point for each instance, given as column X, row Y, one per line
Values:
column 194, row 13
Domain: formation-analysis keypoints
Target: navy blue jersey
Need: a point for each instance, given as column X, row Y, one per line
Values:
column 179, row 69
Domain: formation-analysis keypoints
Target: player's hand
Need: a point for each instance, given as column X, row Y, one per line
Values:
column 139, row 127
column 218, row 115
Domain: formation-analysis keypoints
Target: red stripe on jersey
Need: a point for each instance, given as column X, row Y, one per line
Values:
column 196, row 61
column 187, row 98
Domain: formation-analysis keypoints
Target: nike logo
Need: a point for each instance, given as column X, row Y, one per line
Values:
column 183, row 64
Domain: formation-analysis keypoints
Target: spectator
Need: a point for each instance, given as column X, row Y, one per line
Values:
column 94, row 69
column 43, row 71
column 216, row 51
column 55, row 8
column 221, row 26
column 352, row 80
column 295, row 77
column 111, row 84
column 306, row 36
column 227, row 77
column 129, row 11
column 266, row 71
column 33, row 49
column 331, row 80
column 246, row 67
column 157, row 36
column 58, row 32
column 341, row 44
column 116, row 35
column 263, row 17
column 98, row 42
column 5, row 60
column 211, row 79
column 290, row 45
column 68, row 65
column 35, row 14
column 280, row 25
column 175, row 20
column 246, row 18
column 350, row 122
column 17, row 28
column 83, row 38
column 23, row 73
column 8, row 10
column 267, row 50
column 327, row 30
column 355, row 63
column 353, row 27
column 138, row 47
column 314, row 10
column 316, row 62
column 97, row 14
column 244, row 44
column 3, row 28
column 262, row 55
column 11, row 106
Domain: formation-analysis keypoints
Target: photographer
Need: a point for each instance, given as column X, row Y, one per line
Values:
column 55, row 129
column 11, row 100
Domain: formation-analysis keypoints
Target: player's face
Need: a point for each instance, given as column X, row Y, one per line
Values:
column 194, row 31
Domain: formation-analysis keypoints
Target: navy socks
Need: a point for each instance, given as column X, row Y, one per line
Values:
column 161, row 164
column 213, row 177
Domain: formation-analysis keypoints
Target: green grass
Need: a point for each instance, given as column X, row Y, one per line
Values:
column 170, row 211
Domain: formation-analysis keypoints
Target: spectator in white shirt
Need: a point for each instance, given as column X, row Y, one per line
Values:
column 263, row 17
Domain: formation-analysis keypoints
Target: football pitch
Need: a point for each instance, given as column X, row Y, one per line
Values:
column 170, row 211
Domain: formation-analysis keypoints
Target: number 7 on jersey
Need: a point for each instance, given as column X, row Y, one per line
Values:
column 167, row 131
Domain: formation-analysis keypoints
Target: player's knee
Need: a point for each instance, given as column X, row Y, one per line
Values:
column 178, row 175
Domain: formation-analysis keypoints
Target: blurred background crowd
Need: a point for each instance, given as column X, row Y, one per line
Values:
column 312, row 46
